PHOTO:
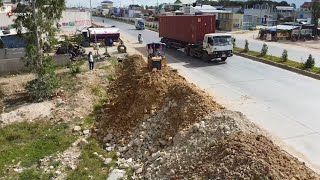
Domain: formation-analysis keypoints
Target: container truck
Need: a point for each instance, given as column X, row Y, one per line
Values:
column 196, row 35
column 139, row 23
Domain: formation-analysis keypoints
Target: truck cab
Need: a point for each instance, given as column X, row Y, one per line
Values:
column 139, row 23
column 218, row 45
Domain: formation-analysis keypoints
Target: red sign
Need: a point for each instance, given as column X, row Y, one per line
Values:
column 9, row 14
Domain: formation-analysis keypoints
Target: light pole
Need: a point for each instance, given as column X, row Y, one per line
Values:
column 90, row 12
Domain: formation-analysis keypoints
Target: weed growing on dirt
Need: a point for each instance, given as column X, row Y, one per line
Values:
column 30, row 174
column 29, row 142
column 75, row 68
column 98, row 91
column 87, row 123
column 111, row 77
column 68, row 82
column 102, row 95
column 90, row 164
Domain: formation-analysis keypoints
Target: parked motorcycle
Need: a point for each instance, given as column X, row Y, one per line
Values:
column 140, row 39
column 77, row 51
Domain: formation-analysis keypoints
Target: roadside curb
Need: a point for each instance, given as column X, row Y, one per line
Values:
column 279, row 65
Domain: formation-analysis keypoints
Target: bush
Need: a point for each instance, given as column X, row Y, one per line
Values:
column 44, row 87
column 46, row 47
column 264, row 50
column 75, row 69
column 78, row 39
column 246, row 46
column 284, row 56
column 309, row 63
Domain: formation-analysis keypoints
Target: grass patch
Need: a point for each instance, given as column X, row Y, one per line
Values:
column 101, row 93
column 87, row 123
column 68, row 82
column 111, row 77
column 90, row 164
column 29, row 142
column 98, row 91
column 107, row 67
column 113, row 60
column 290, row 63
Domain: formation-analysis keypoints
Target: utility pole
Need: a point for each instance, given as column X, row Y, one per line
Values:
column 158, row 9
column 34, row 14
column 90, row 12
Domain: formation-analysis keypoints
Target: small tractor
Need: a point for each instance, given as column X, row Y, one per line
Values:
column 156, row 58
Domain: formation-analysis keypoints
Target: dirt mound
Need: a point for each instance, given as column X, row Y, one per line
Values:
column 138, row 94
column 165, row 128
column 246, row 156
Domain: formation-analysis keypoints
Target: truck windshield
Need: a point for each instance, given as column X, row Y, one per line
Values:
column 141, row 23
column 220, row 41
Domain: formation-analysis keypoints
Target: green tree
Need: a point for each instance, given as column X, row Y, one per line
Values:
column 284, row 56
column 246, row 46
column 309, row 63
column 40, row 17
column 264, row 50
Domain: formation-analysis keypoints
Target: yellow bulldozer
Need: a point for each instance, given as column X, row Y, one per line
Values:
column 156, row 58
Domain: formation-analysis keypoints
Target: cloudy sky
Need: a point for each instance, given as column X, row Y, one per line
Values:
column 96, row 3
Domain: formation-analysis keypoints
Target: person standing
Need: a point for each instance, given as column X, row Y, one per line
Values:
column 91, row 62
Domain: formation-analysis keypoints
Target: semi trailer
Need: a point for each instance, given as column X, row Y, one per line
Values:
column 196, row 34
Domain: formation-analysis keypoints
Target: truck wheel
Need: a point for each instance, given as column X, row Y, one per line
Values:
column 187, row 51
column 206, row 57
column 122, row 49
column 224, row 58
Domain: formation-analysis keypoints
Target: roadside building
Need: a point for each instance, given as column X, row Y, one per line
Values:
column 266, row 15
column 234, row 9
column 134, row 11
column 287, row 13
column 230, row 21
column 249, row 22
column 304, row 13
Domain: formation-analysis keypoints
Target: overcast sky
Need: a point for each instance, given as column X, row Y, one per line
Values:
column 96, row 3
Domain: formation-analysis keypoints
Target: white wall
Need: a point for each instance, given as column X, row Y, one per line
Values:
column 72, row 21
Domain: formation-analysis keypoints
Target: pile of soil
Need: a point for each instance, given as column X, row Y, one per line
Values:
column 165, row 128
column 138, row 94
column 243, row 155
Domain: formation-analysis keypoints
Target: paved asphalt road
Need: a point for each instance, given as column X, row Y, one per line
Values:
column 284, row 103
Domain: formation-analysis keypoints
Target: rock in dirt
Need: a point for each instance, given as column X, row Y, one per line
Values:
column 116, row 174
column 83, row 142
column 107, row 138
column 107, row 161
column 86, row 132
column 77, row 128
